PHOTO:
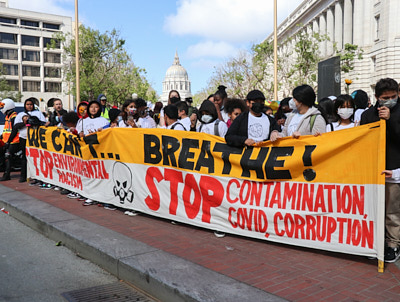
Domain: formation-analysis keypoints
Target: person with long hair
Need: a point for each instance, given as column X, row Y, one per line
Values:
column 173, row 98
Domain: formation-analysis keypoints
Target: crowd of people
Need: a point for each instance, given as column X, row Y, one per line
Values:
column 241, row 122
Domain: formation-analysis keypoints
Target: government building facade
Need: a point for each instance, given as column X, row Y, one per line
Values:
column 372, row 25
column 30, row 66
column 176, row 78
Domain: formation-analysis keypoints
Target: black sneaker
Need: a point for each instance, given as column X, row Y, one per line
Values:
column 34, row 182
column 392, row 254
column 65, row 192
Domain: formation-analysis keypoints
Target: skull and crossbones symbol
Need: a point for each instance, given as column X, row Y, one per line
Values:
column 122, row 177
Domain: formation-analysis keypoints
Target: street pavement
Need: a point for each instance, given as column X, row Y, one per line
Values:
column 177, row 262
column 34, row 268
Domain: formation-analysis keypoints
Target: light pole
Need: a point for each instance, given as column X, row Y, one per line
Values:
column 78, row 92
column 275, row 52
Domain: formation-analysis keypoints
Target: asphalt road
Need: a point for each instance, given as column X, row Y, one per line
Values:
column 33, row 268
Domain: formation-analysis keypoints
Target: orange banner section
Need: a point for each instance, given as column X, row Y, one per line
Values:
column 351, row 156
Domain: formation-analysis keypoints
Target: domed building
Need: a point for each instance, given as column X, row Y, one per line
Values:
column 176, row 78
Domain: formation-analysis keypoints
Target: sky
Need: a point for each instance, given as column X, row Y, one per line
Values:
column 205, row 33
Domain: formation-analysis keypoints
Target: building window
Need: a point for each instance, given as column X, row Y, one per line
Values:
column 8, row 38
column 30, row 40
column 52, row 57
column 8, row 20
column 31, row 86
column 52, row 72
column 14, row 85
column 47, row 42
column 31, row 71
column 29, row 23
column 10, row 69
column 30, row 55
column 51, row 26
column 377, row 26
column 52, row 87
column 8, row 54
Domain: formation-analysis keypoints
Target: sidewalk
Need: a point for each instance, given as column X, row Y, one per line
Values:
column 184, row 263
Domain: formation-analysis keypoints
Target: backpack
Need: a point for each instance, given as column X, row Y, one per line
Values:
column 177, row 123
column 216, row 130
column 312, row 121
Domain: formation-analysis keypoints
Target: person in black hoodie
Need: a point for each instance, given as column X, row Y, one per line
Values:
column 253, row 126
column 387, row 107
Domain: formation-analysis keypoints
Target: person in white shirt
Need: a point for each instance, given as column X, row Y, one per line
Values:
column 94, row 122
column 20, row 124
column 344, row 110
column 219, row 99
column 135, row 115
column 184, row 119
column 171, row 118
column 209, row 122
column 253, row 126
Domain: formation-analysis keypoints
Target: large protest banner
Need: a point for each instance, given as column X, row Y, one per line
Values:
column 322, row 192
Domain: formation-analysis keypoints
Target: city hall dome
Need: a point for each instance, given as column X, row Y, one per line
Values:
column 176, row 78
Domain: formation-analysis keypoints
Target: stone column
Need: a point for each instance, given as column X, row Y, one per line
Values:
column 322, row 32
column 358, row 22
column 330, row 31
column 348, row 22
column 315, row 26
column 339, row 25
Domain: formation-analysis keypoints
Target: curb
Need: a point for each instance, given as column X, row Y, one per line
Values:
column 162, row 275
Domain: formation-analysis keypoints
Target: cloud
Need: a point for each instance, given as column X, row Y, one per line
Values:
column 56, row 7
column 227, row 20
column 211, row 49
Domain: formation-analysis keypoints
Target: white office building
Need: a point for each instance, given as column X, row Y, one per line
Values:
column 30, row 66
column 373, row 25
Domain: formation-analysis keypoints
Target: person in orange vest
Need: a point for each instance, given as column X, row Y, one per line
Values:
column 11, row 146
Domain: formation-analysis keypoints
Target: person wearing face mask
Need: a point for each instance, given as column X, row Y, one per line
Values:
column 253, row 126
column 387, row 108
column 305, row 119
column 173, row 98
column 344, row 109
column 209, row 122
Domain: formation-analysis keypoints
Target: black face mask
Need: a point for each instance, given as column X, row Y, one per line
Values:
column 257, row 107
column 174, row 100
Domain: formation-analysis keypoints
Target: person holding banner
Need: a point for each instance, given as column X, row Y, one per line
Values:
column 307, row 120
column 20, row 126
column 171, row 118
column 210, row 123
column 387, row 107
column 94, row 122
column 344, row 111
column 253, row 126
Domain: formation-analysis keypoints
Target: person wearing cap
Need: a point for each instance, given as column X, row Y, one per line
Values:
column 253, row 126
column 102, row 100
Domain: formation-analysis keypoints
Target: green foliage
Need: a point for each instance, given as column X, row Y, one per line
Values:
column 347, row 56
column 6, row 91
column 105, row 67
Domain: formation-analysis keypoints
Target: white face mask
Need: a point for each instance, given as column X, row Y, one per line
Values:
column 345, row 113
column 206, row 118
column 292, row 104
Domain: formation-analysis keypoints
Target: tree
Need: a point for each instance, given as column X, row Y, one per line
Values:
column 6, row 91
column 105, row 66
